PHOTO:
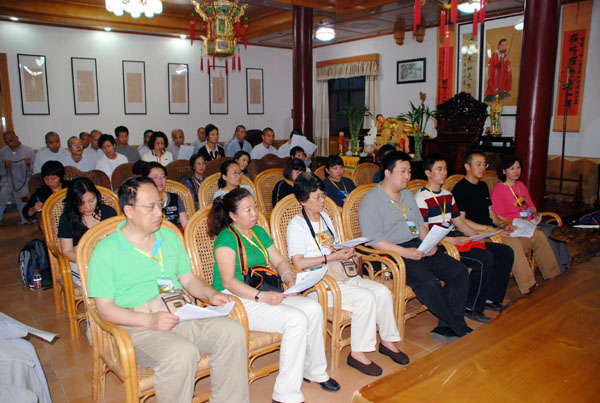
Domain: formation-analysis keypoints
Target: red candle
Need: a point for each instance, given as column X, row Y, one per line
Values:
column 453, row 11
column 341, row 142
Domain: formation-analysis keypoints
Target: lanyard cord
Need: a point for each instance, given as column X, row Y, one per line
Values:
column 312, row 231
column 336, row 186
column 515, row 196
column 398, row 207
column 143, row 252
column 438, row 203
column 261, row 249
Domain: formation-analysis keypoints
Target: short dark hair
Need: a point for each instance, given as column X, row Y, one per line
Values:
column 430, row 160
column 502, row 40
column 223, row 169
column 148, row 131
column 238, row 154
column 295, row 150
column 293, row 164
column 238, row 127
column 507, row 162
column 104, row 138
column 71, row 138
column 50, row 134
column 471, row 153
column 53, row 168
column 332, row 161
column 297, row 132
column 218, row 218
column 73, row 200
column 389, row 161
column 137, row 167
column 193, row 159
column 267, row 129
column 153, row 138
column 209, row 128
column 128, row 190
column 148, row 166
column 305, row 184
column 384, row 149
column 120, row 129
column 82, row 133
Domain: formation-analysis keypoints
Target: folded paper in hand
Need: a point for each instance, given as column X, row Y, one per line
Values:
column 525, row 228
column 191, row 312
column 434, row 236
column 352, row 243
column 485, row 235
column 306, row 279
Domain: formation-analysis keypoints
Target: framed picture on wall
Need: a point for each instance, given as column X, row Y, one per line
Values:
column 501, row 58
column 179, row 89
column 411, row 71
column 134, row 87
column 468, row 61
column 255, row 101
column 33, row 81
column 218, row 91
column 85, row 86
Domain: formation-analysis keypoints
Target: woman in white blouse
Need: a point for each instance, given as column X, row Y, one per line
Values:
column 157, row 144
column 111, row 159
column 370, row 302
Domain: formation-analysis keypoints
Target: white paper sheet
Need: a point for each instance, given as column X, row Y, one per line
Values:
column 191, row 312
column 352, row 243
column 485, row 235
column 49, row 337
column 306, row 279
column 525, row 229
column 435, row 235
column 301, row 141
column 185, row 152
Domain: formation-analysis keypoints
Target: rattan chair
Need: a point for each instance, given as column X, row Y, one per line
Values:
column 264, row 184
column 120, row 174
column 415, row 185
column 364, row 172
column 491, row 179
column 99, row 178
column 214, row 166
column 199, row 246
column 320, row 172
column 178, row 169
column 184, row 194
column 112, row 348
column 61, row 270
column 403, row 293
column 209, row 186
column 452, row 181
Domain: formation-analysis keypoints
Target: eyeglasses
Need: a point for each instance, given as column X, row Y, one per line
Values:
column 151, row 206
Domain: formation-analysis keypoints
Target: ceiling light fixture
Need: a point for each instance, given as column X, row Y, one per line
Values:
column 135, row 7
column 519, row 25
column 325, row 34
column 15, row 19
column 469, row 7
column 183, row 36
column 107, row 29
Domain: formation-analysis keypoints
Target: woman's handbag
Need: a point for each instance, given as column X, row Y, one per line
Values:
column 261, row 277
column 340, row 270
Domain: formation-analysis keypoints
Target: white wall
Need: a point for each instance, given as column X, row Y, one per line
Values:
column 109, row 49
column 394, row 98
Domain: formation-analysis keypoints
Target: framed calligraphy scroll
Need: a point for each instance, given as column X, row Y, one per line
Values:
column 217, row 92
column 179, row 89
column 575, row 37
column 33, row 81
column 255, row 100
column 134, row 87
column 468, row 61
column 501, row 45
column 85, row 86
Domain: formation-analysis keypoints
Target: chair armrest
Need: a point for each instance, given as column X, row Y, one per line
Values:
column 451, row 249
column 553, row 217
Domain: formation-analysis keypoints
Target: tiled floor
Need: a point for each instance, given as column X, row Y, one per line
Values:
column 68, row 363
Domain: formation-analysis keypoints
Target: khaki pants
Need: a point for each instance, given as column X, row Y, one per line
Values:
column 544, row 258
column 174, row 356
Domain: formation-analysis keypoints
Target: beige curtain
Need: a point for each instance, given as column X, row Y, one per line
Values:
column 368, row 68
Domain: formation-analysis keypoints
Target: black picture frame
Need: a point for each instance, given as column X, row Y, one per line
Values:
column 24, row 61
column 130, row 107
column 411, row 71
column 175, row 106
column 89, row 106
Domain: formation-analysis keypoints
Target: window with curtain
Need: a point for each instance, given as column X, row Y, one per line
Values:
column 344, row 92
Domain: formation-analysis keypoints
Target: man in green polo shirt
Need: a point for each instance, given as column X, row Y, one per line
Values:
column 128, row 271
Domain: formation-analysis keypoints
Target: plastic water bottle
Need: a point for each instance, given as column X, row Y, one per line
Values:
column 37, row 279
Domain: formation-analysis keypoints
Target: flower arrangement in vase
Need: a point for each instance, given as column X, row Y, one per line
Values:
column 355, row 116
column 418, row 116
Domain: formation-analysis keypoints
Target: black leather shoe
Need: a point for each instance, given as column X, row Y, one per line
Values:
column 330, row 385
column 444, row 334
column 372, row 369
column 477, row 316
column 399, row 357
column 494, row 306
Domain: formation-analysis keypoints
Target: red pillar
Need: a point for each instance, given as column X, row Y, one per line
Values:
column 536, row 85
column 302, row 70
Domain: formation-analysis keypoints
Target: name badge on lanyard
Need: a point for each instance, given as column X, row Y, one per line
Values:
column 165, row 285
column 412, row 227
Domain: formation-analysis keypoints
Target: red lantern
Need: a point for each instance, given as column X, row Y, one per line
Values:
column 482, row 12
column 192, row 30
column 475, row 22
column 443, row 22
column 453, row 11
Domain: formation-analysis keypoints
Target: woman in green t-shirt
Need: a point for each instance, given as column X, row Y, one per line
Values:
column 299, row 319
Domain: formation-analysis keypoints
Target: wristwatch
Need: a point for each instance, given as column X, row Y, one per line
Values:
column 256, row 296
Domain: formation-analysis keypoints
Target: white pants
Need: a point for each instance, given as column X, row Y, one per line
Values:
column 302, row 353
column 371, row 304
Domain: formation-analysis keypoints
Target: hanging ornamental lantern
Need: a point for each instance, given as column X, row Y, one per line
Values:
column 222, row 36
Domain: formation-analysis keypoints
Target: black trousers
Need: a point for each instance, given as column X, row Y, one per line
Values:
column 490, row 272
column 448, row 302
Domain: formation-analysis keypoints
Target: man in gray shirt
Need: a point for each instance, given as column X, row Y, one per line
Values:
column 390, row 217
column 123, row 147
column 16, row 160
